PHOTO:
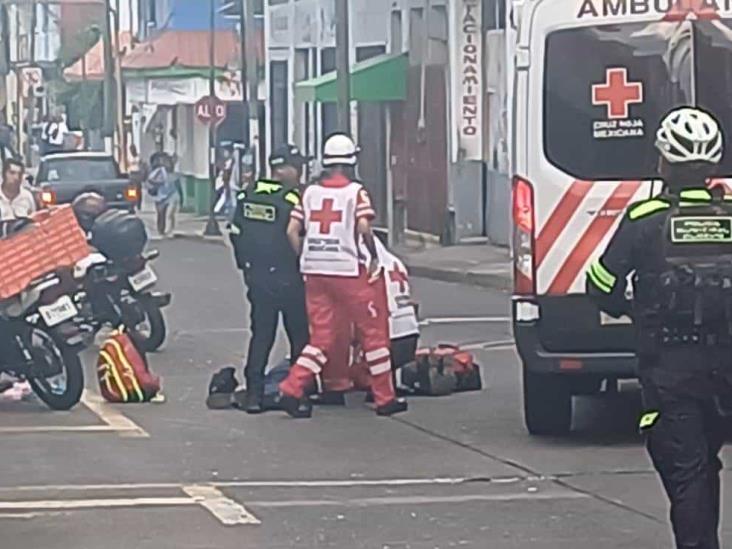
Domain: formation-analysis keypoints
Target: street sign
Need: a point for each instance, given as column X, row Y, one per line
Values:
column 211, row 110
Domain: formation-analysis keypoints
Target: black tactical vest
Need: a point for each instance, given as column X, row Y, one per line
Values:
column 262, row 216
column 691, row 301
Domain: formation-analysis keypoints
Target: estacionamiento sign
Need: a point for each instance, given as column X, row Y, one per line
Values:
column 467, row 80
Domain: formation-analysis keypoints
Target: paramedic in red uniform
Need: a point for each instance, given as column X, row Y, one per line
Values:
column 331, row 230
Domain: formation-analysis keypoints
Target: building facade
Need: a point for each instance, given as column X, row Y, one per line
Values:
column 438, row 158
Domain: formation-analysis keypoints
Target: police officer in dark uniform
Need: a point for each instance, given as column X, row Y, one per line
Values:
column 679, row 247
column 270, row 267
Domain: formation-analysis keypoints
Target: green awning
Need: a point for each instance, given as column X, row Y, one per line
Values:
column 381, row 78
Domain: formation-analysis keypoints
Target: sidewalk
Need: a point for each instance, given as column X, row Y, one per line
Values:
column 187, row 226
column 480, row 264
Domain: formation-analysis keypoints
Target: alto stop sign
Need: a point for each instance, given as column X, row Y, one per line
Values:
column 211, row 110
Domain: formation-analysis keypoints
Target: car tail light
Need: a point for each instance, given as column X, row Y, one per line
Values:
column 132, row 194
column 523, row 237
column 48, row 197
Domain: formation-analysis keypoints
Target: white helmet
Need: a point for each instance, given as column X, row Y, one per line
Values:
column 690, row 135
column 340, row 150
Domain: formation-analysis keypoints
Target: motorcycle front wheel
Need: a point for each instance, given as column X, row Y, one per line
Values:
column 62, row 387
column 150, row 334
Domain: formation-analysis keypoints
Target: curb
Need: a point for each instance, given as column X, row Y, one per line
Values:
column 496, row 281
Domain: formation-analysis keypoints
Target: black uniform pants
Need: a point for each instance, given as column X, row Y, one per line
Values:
column 684, row 445
column 269, row 297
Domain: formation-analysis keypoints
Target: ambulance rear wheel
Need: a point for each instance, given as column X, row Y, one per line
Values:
column 547, row 404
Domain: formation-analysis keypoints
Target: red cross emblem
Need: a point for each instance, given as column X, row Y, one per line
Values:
column 692, row 9
column 395, row 275
column 327, row 216
column 617, row 94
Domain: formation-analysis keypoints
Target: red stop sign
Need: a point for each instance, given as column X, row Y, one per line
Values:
column 211, row 110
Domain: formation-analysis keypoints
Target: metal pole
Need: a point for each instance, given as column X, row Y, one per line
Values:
column 19, row 107
column 244, row 65
column 119, row 95
column 255, row 131
column 343, row 66
column 31, row 92
column 109, row 109
column 212, row 225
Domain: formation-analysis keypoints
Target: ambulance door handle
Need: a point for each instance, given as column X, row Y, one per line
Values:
column 523, row 59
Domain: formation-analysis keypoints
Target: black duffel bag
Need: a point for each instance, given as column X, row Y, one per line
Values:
column 119, row 235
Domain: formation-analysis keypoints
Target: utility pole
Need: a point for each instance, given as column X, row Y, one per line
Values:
column 243, row 61
column 212, row 225
column 119, row 93
column 343, row 66
column 249, row 37
column 31, row 92
column 110, row 112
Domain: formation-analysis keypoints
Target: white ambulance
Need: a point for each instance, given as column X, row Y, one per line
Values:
column 592, row 80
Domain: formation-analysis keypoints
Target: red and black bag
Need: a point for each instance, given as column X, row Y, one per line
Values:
column 124, row 375
column 441, row 371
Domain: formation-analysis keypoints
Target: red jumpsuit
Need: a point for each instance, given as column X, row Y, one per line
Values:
column 337, row 288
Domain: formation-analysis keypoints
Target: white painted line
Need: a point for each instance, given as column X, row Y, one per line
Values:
column 421, row 500
column 503, row 345
column 113, row 418
column 106, row 503
column 24, row 516
column 211, row 331
column 226, row 510
column 35, row 429
column 466, row 320
column 350, row 483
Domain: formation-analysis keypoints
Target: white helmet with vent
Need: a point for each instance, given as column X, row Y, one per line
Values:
column 690, row 135
column 340, row 150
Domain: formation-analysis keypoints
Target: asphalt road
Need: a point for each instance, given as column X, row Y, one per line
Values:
column 458, row 471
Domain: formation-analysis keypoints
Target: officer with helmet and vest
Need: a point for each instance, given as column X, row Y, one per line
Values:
column 262, row 251
column 678, row 246
column 331, row 231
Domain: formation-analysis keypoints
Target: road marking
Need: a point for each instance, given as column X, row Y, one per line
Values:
column 226, row 510
column 113, row 418
column 211, row 331
column 35, row 429
column 436, row 321
column 350, row 483
column 420, row 500
column 505, row 345
column 105, row 503
column 465, row 320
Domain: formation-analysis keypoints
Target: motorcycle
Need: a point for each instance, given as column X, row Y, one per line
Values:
column 41, row 336
column 119, row 294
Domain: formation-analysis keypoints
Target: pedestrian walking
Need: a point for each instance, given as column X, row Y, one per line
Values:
column 165, row 187
column 263, row 253
column 679, row 247
column 335, row 218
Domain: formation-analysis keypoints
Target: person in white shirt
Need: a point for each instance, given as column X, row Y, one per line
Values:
column 15, row 200
column 56, row 133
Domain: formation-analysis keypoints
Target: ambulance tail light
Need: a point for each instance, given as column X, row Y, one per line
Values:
column 523, row 237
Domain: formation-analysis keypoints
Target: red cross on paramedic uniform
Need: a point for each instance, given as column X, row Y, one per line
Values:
column 327, row 216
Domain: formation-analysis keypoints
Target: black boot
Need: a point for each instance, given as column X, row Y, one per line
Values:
column 295, row 407
column 396, row 406
column 254, row 403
